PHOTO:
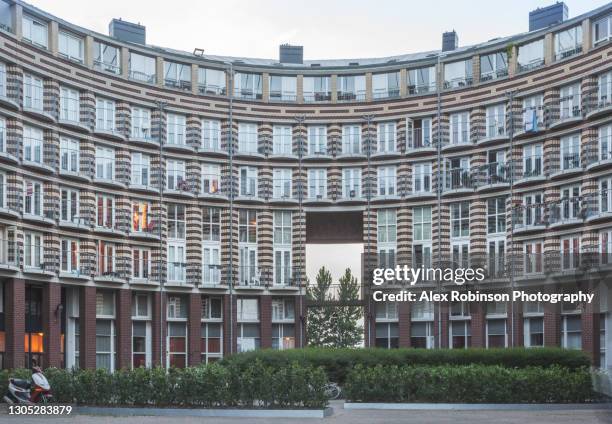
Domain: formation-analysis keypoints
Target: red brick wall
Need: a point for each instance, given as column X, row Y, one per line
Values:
column 15, row 322
column 552, row 324
column 124, row 328
column 590, row 330
column 195, row 328
column 403, row 314
column 515, row 335
column 443, row 306
column 265, row 319
column 87, row 327
column 229, row 345
column 478, row 324
column 300, row 317
column 159, row 324
column 51, row 317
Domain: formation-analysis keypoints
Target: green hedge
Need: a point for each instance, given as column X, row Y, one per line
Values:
column 338, row 362
column 212, row 385
column 469, row 384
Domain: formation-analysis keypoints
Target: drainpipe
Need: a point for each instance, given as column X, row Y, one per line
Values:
column 439, row 187
column 510, row 96
column 368, row 120
column 300, row 121
column 162, row 356
column 230, row 277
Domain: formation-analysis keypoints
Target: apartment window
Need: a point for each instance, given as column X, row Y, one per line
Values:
column 458, row 74
column 211, row 81
column 421, row 177
column 247, row 86
column 418, row 133
column 33, row 92
column 317, row 140
column 141, row 169
column 460, row 219
column 2, row 134
column 421, row 331
column 385, row 85
column 33, row 197
column 533, row 324
column 105, row 163
column 211, row 343
column 386, row 226
column 35, row 31
column 351, row 88
column 460, row 128
column 3, row 190
column 421, row 80
column 317, row 89
column 33, row 250
column 247, row 220
column 386, row 137
column 141, row 123
column 69, row 207
column 211, row 224
column 422, row 223
column 494, row 65
column 249, row 274
column 569, row 205
column 569, row 102
column 106, row 58
column 105, row 211
column 175, row 175
column 176, row 221
column 570, row 152
column 496, row 251
column 3, row 94
column 571, row 332
column 531, row 55
column 32, row 145
column 177, row 264
column 568, row 42
column 605, row 245
column 283, row 327
column 248, row 309
column 351, row 183
column 249, row 337
column 281, row 183
column 211, row 263
column 141, row 343
column 457, row 172
column 105, row 330
column 69, row 155
column 283, row 88
column 317, row 183
column 141, row 263
column 534, row 209
column 386, row 311
column 69, row 256
column 176, row 129
column 387, row 185
column 281, row 140
column 533, row 113
column 496, row 215
column 70, row 46
column 602, row 30
column 496, row 333
column 282, row 247
column 247, row 138
column 605, row 142
column 496, row 120
column 533, row 257
column 248, row 181
column 532, row 160
column 105, row 114
column 177, row 344
column 351, row 139
column 211, row 134
column 460, row 333
column 69, row 104
column 570, row 252
column 141, row 220
column 177, row 75
column 211, row 178
column 142, row 68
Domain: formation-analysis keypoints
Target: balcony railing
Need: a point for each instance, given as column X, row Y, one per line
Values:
column 385, row 93
column 111, row 266
column 211, row 274
column 421, row 89
column 179, row 84
column 387, row 186
column 317, row 146
column 458, row 82
column 9, row 253
column 532, row 166
column 351, row 96
column 529, row 216
column 176, row 182
column 458, row 178
column 534, row 64
column 247, row 94
column 602, row 97
column 602, row 152
column 351, row 144
column 317, row 97
column 211, row 89
column 495, row 74
column 142, row 133
column 496, row 126
column 351, row 188
column 566, row 209
column 250, row 275
column 570, row 161
column 564, row 54
column 280, row 96
column 568, row 109
column 32, row 96
column 177, row 272
column 417, row 139
column 211, row 185
column 69, row 109
column 107, row 67
column 282, row 145
column 71, row 264
column 142, row 77
column 493, row 173
column 282, row 188
column 248, row 143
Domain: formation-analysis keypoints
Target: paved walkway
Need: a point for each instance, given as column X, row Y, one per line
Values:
column 582, row 416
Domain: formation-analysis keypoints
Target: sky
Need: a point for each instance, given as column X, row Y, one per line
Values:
column 327, row 29
column 335, row 257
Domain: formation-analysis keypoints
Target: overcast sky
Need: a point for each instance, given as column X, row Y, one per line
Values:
column 327, row 29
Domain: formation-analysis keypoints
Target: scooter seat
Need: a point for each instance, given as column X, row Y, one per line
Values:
column 22, row 384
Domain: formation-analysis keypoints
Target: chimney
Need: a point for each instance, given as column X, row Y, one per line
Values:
column 127, row 31
column 547, row 16
column 450, row 41
column 291, row 54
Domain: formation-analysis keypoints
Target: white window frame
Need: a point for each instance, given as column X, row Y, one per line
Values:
column 177, row 262
column 351, row 139
column 105, row 114
column 105, row 211
column 211, row 178
column 36, row 205
column 247, row 138
column 33, row 92
column 33, row 250
column 71, row 257
column 459, row 128
column 387, row 181
column 351, row 183
column 141, row 169
column 317, row 183
column 70, row 46
column 141, row 267
column 211, row 134
column 105, row 163
column 317, row 140
column 422, row 177
column 33, row 142
column 282, row 183
column 141, row 123
column 69, row 104
column 72, row 200
column 249, row 181
column 176, row 178
column 282, row 140
column 176, row 129
column 386, row 137
column 496, row 120
column 35, row 31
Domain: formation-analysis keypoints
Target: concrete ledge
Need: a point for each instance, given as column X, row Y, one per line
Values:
column 478, row 406
column 195, row 412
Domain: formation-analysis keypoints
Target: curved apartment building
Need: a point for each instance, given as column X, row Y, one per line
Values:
column 155, row 204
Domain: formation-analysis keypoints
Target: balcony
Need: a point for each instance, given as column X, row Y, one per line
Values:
column 177, row 84
column 177, row 274
column 533, row 121
column 532, row 171
column 9, row 255
column 39, row 265
column 282, row 147
column 141, row 77
column 282, row 191
column 351, row 147
column 530, row 66
column 529, row 218
column 142, row 135
column 602, row 102
column 148, row 230
column 351, row 96
column 601, row 157
column 567, row 211
column 106, row 127
column 210, row 89
column 211, row 188
column 142, row 180
column 317, row 148
column 46, row 217
column 4, row 99
column 177, row 185
column 34, row 155
column 387, row 188
column 105, row 173
column 570, row 164
column 459, row 139
column 568, row 113
column 458, row 181
column 317, row 97
column 247, row 94
column 111, row 68
column 250, row 194
column 75, row 222
column 33, row 102
column 419, row 141
column 281, row 96
column 385, row 93
column 492, row 176
column 250, row 277
column 72, row 266
column 10, row 191
column 211, row 276
column 69, row 114
column 316, row 195
column 73, row 166
column 10, row 155
column 281, row 278
column 177, row 140
column 248, row 145
column 111, row 269
column 567, row 53
column 109, row 227
column 494, row 74
column 461, row 82
column 495, row 130
column 414, row 89
column 596, row 206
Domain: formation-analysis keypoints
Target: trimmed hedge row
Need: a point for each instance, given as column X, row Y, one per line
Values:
column 338, row 362
column 468, row 384
column 212, row 385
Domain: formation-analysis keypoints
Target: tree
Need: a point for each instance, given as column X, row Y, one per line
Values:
column 318, row 330
column 345, row 328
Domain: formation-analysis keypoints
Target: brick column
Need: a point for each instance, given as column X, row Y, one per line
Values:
column 265, row 321
column 478, row 324
column 195, row 328
column 124, row 328
column 159, row 326
column 15, row 323
column 87, row 327
column 300, row 330
column 403, row 315
column 552, row 325
column 51, row 317
column 590, row 328
column 515, row 333
column 444, row 327
column 229, row 321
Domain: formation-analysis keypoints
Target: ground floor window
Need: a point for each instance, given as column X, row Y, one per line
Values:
column 387, row 335
column 460, row 334
column 496, row 333
column 211, row 343
column 141, row 344
column 283, row 336
column 421, row 334
column 602, row 341
column 571, row 332
column 533, row 332
column 105, row 344
column 177, row 344
column 249, row 337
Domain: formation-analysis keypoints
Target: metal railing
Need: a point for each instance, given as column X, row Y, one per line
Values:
column 385, row 93
column 177, row 272
column 282, row 188
column 493, row 173
column 211, row 274
column 351, row 96
column 105, row 168
column 351, row 144
column 141, row 76
column 33, row 96
column 532, row 166
column 317, row 97
column 570, row 161
column 143, row 133
column 494, row 74
column 529, row 216
column 69, row 109
column 100, row 65
column 564, row 54
column 247, row 94
column 603, row 98
column 70, row 160
column 71, row 264
column 9, row 253
column 533, row 64
column 250, row 275
column 602, row 152
column 417, row 139
column 421, row 89
column 282, row 144
column 176, row 135
column 248, row 143
column 212, row 89
column 179, row 84
column 110, row 266
column 105, row 118
column 458, row 82
column 568, row 208
column 496, row 126
column 281, row 96
column 387, row 186
column 458, row 178
column 33, row 150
